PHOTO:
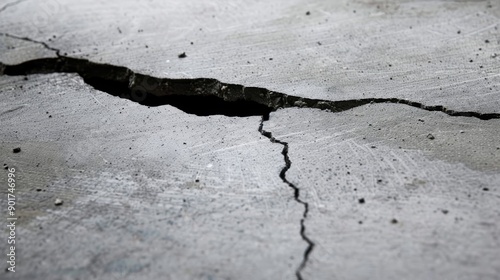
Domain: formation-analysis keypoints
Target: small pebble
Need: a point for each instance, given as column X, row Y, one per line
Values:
column 182, row 55
column 58, row 202
column 361, row 201
column 394, row 221
column 16, row 150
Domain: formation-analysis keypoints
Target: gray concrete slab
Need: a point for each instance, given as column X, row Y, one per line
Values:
column 405, row 189
column 387, row 200
column 147, row 193
column 436, row 53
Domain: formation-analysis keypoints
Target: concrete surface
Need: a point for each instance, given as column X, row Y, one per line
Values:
column 148, row 193
column 382, row 191
column 387, row 202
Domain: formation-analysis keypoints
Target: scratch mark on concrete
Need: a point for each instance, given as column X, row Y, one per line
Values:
column 11, row 110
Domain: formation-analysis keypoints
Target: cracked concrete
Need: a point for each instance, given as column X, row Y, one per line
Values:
column 424, row 211
column 414, row 51
column 203, row 195
column 395, row 177
column 146, row 89
column 296, row 190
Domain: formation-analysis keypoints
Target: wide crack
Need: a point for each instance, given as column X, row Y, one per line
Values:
column 288, row 164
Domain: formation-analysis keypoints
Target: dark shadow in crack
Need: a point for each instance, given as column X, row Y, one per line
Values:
column 199, row 96
column 210, row 105
column 200, row 105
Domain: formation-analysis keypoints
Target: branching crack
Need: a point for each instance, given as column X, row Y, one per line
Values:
column 288, row 164
column 204, row 96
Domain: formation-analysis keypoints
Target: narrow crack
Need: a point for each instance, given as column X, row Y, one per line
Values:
column 45, row 45
column 296, row 190
column 6, row 6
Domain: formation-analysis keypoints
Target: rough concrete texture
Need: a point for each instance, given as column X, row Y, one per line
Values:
column 111, row 189
column 425, row 51
column 148, row 192
column 387, row 202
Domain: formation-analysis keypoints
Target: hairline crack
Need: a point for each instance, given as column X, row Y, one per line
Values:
column 6, row 6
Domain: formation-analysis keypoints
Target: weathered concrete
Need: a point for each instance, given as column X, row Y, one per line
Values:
column 429, row 52
column 148, row 193
column 362, row 168
column 384, row 191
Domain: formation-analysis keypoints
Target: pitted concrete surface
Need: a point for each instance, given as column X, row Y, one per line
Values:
column 385, row 201
column 434, row 52
column 382, row 190
column 169, row 195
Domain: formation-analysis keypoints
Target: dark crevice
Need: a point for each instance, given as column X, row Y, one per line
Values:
column 189, row 95
column 195, row 95
column 296, row 191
